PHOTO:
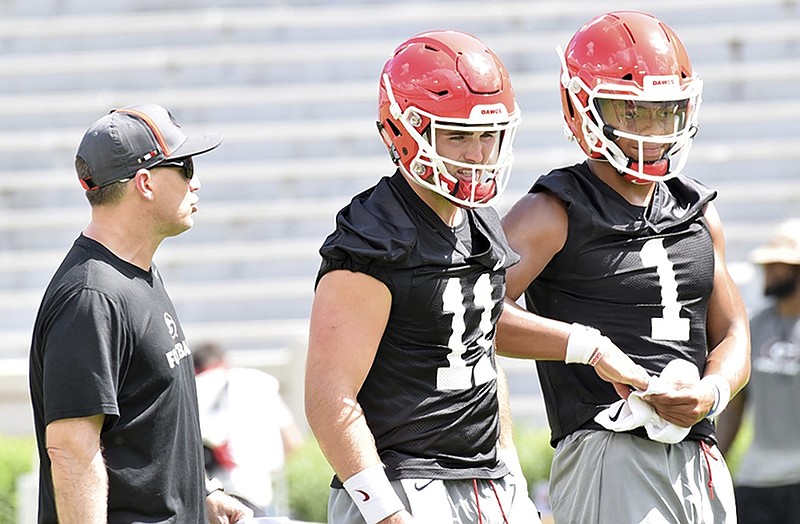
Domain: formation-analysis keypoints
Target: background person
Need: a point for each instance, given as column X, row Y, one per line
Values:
column 622, row 247
column 767, row 483
column 111, row 378
column 247, row 428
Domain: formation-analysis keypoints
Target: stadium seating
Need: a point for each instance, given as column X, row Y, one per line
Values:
column 292, row 85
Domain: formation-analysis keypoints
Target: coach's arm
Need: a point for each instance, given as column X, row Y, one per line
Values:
column 80, row 480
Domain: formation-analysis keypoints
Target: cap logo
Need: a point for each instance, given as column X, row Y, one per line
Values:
column 148, row 156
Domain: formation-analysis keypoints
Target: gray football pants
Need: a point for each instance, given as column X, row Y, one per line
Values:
column 602, row 477
column 448, row 502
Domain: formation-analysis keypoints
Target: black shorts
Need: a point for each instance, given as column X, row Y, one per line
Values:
column 774, row 505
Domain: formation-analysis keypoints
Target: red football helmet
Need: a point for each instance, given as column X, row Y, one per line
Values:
column 627, row 75
column 447, row 80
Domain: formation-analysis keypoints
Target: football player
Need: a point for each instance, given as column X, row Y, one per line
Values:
column 401, row 381
column 623, row 247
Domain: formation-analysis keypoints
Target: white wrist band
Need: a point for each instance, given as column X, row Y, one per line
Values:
column 722, row 393
column 582, row 344
column 374, row 495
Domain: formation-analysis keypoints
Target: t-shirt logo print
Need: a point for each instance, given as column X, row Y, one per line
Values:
column 180, row 349
column 778, row 357
column 172, row 327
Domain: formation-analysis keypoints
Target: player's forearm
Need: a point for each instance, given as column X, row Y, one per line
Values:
column 341, row 430
column 521, row 334
column 81, row 487
column 731, row 357
column 727, row 322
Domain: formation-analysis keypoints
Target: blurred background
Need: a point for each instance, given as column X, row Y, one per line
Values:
column 293, row 86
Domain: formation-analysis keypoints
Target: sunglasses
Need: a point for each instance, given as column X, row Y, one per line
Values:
column 186, row 164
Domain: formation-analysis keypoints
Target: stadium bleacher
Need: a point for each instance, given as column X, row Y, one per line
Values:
column 292, row 85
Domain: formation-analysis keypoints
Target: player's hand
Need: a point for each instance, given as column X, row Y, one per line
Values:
column 618, row 368
column 224, row 509
column 401, row 517
column 684, row 404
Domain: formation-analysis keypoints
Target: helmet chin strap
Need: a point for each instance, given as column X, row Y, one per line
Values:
column 656, row 168
column 484, row 191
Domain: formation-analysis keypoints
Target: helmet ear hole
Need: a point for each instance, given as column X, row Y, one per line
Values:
column 570, row 107
column 388, row 123
column 388, row 140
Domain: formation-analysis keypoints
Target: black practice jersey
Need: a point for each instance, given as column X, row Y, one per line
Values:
column 430, row 398
column 643, row 277
column 107, row 341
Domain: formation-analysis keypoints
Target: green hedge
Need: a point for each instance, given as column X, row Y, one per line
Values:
column 739, row 445
column 309, row 478
column 16, row 458
column 535, row 453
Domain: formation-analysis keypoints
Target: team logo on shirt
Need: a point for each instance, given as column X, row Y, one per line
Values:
column 778, row 357
column 172, row 326
column 177, row 353
column 180, row 349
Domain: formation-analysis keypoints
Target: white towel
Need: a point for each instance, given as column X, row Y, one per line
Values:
column 634, row 412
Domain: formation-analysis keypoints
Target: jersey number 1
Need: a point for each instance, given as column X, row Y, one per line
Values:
column 670, row 326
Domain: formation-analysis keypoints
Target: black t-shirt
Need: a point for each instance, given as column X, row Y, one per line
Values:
column 430, row 398
column 643, row 277
column 107, row 341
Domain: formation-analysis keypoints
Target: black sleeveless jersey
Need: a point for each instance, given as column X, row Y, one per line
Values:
column 430, row 398
column 643, row 277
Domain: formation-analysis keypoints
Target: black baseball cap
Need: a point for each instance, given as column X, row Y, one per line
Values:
column 130, row 138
